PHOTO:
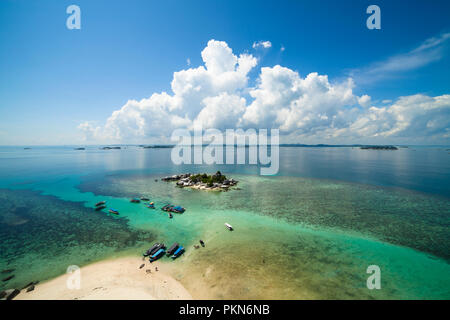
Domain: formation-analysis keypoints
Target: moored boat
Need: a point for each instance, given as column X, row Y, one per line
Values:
column 113, row 211
column 167, row 207
column 229, row 227
column 100, row 203
column 145, row 199
column 174, row 247
column 178, row 209
column 158, row 254
column 150, row 205
column 178, row 252
column 153, row 249
column 135, row 200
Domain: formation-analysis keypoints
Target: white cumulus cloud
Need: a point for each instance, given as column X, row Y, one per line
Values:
column 262, row 44
column 308, row 108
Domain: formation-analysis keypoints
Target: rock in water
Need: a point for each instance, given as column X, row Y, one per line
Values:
column 27, row 285
column 8, row 278
column 12, row 294
column 31, row 288
column 8, row 270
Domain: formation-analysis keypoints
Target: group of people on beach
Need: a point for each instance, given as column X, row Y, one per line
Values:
column 150, row 270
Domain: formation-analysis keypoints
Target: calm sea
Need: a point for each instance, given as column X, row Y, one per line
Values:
column 309, row 232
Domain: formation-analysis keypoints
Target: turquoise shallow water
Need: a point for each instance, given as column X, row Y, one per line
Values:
column 296, row 237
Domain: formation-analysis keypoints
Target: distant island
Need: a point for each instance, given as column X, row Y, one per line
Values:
column 110, row 148
column 157, row 146
column 281, row 145
column 203, row 181
column 379, row 148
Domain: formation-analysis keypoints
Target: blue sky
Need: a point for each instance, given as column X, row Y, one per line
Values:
column 53, row 79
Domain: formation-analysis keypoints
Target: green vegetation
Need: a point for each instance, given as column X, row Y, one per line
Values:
column 208, row 179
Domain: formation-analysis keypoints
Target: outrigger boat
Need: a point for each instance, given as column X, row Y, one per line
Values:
column 154, row 248
column 178, row 252
column 229, row 227
column 172, row 208
column 178, row 209
column 101, row 207
column 150, row 205
column 167, row 207
column 113, row 211
column 135, row 200
column 173, row 248
column 100, row 203
column 158, row 254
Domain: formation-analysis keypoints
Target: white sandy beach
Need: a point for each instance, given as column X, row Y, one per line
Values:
column 119, row 278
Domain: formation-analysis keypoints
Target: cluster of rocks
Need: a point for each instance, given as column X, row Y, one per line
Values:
column 12, row 293
column 176, row 177
column 186, row 180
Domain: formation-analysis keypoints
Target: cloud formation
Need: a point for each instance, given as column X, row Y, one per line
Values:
column 429, row 51
column 306, row 109
column 262, row 44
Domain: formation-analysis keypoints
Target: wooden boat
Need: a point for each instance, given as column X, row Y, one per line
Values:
column 167, row 207
column 113, row 211
column 229, row 227
column 150, row 205
column 174, row 247
column 178, row 209
column 178, row 252
column 154, row 248
column 100, row 203
column 158, row 254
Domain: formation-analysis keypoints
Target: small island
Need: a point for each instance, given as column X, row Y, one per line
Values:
column 157, row 146
column 379, row 148
column 203, row 181
column 110, row 148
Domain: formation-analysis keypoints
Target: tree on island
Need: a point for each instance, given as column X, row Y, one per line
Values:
column 218, row 177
